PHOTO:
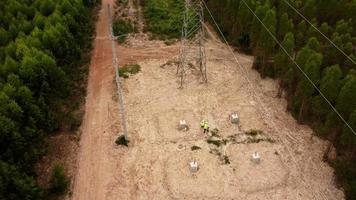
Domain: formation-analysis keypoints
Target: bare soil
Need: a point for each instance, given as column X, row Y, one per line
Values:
column 156, row 163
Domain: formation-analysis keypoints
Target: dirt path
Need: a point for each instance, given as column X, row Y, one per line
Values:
column 94, row 161
column 155, row 166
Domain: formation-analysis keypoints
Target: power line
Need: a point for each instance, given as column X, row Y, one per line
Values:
column 316, row 28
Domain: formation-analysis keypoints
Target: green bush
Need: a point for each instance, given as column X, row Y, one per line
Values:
column 59, row 182
column 126, row 70
column 121, row 28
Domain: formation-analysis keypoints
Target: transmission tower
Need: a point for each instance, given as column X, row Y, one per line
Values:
column 192, row 51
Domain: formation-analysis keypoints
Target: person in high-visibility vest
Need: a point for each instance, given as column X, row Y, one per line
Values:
column 202, row 123
column 206, row 127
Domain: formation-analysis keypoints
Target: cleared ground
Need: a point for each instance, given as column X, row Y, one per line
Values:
column 155, row 166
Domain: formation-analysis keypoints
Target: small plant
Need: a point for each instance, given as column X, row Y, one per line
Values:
column 121, row 140
column 193, row 148
column 59, row 182
column 226, row 160
column 126, row 70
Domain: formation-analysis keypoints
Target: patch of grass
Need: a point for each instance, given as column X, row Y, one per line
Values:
column 121, row 140
column 128, row 70
column 59, row 182
column 193, row 148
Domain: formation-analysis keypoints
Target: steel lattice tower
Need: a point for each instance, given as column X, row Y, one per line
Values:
column 192, row 49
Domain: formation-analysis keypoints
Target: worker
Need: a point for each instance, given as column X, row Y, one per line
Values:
column 202, row 123
column 206, row 127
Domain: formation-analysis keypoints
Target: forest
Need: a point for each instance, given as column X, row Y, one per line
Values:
column 332, row 72
column 42, row 44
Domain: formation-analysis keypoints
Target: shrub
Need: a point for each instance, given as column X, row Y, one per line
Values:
column 59, row 182
column 121, row 140
column 121, row 28
column 127, row 70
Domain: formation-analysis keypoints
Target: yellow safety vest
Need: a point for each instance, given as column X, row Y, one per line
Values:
column 202, row 123
column 206, row 126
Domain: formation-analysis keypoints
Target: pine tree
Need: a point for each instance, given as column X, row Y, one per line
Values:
column 285, row 25
column 305, row 87
column 266, row 44
column 256, row 26
column 330, row 85
column 346, row 101
column 348, row 137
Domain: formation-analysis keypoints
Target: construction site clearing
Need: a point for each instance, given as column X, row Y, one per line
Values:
column 266, row 155
column 248, row 160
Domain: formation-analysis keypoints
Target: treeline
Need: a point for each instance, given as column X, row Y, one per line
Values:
column 41, row 46
column 330, row 70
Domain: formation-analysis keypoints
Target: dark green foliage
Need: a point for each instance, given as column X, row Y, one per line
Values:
column 329, row 69
column 41, row 43
column 17, row 185
column 346, row 171
column 121, row 28
column 59, row 182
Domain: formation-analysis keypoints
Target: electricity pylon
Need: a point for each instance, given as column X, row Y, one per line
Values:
column 192, row 49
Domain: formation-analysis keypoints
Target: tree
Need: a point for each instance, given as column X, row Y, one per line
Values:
column 305, row 87
column 346, row 101
column 244, row 15
column 59, row 182
column 285, row 25
column 256, row 24
column 17, row 185
column 266, row 44
column 330, row 85
column 282, row 60
column 4, row 37
column 348, row 137
column 309, row 9
column 300, row 33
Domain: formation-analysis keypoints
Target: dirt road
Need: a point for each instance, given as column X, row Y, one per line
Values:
column 155, row 166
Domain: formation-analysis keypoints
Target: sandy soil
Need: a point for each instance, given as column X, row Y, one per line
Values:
column 155, row 166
